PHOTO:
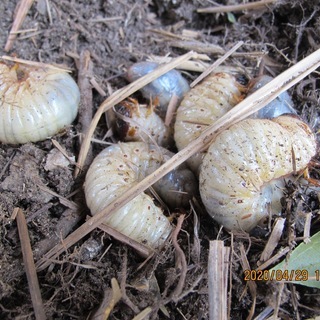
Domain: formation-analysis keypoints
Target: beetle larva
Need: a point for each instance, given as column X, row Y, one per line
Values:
column 137, row 122
column 161, row 89
column 241, row 177
column 203, row 104
column 36, row 103
column 281, row 105
column 117, row 169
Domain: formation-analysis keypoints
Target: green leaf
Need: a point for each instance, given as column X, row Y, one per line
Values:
column 303, row 265
column 231, row 17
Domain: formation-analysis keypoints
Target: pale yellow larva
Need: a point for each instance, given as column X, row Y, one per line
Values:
column 204, row 104
column 137, row 122
column 117, row 169
column 35, row 103
column 241, row 177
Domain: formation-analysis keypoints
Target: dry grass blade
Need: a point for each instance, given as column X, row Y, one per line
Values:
column 143, row 314
column 37, row 64
column 70, row 204
column 209, row 48
column 273, row 240
column 29, row 266
column 22, row 10
column 216, row 63
column 245, row 108
column 123, row 94
column 251, row 284
column 237, row 7
column 166, row 59
column 140, row 248
column 181, row 261
column 274, row 259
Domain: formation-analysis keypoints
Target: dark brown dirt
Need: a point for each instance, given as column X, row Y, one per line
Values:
column 74, row 287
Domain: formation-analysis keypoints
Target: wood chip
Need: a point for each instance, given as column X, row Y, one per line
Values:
column 218, row 268
column 273, row 240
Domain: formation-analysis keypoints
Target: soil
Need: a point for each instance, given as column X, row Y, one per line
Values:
column 117, row 34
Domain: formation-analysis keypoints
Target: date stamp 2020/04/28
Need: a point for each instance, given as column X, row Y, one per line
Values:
column 281, row 275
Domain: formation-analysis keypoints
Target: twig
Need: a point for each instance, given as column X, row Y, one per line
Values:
column 29, row 266
column 231, row 256
column 22, row 8
column 196, row 246
column 106, row 19
column 180, row 260
column 279, row 292
column 86, row 104
column 252, row 285
column 218, row 267
column 49, row 12
column 299, row 33
column 237, row 7
column 123, row 283
column 251, row 104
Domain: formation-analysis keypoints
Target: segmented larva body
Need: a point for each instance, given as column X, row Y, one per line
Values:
column 203, row 105
column 35, row 103
column 137, row 122
column 163, row 88
column 241, row 177
column 114, row 171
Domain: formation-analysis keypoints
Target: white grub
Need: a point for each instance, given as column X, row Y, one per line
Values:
column 35, row 102
column 117, row 169
column 241, row 177
column 204, row 104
